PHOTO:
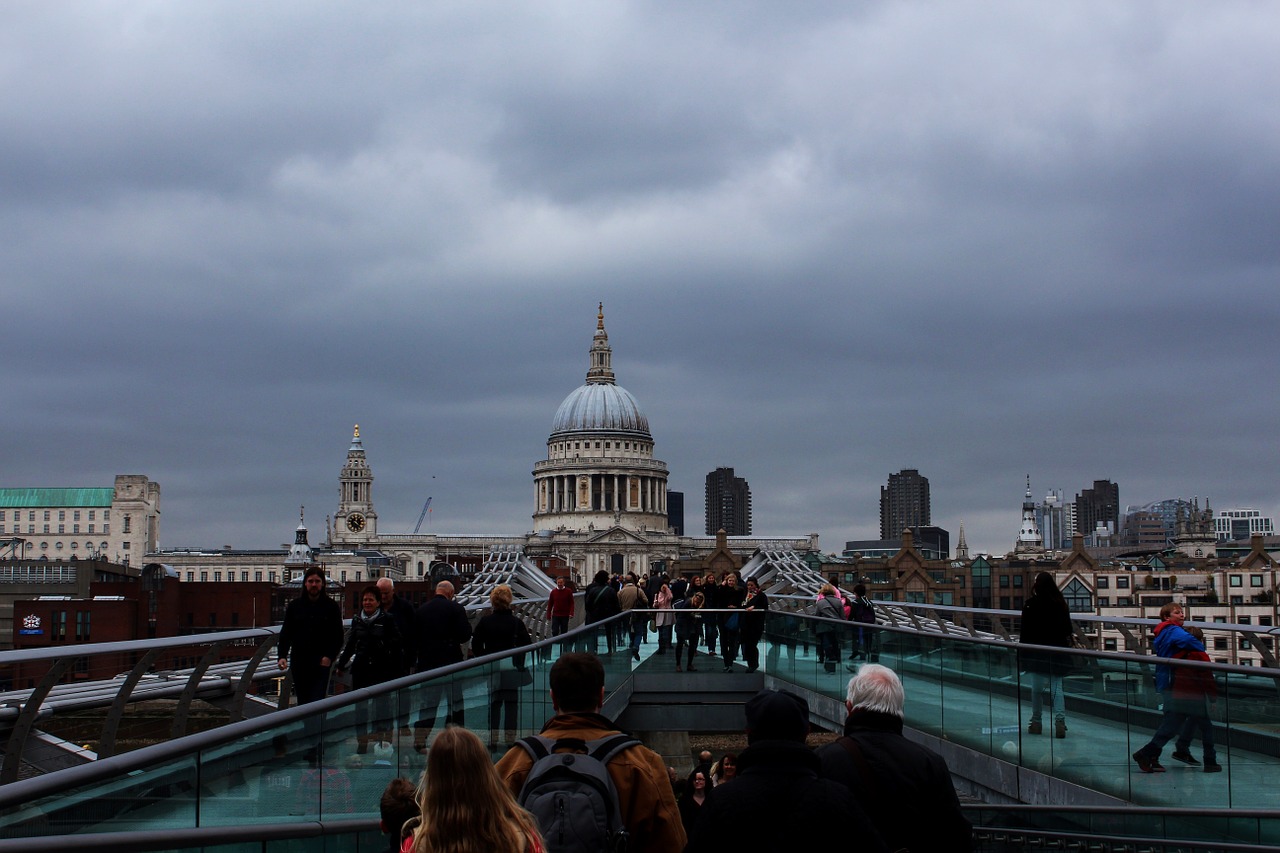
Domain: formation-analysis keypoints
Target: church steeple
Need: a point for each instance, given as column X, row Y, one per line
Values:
column 1029, row 538
column 601, row 370
column 962, row 547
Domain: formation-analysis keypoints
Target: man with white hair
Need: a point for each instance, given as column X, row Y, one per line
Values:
column 905, row 787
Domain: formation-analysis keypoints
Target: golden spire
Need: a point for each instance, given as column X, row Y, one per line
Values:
column 357, row 432
column 600, row 318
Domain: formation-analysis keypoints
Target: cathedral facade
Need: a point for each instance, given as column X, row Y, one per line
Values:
column 599, row 503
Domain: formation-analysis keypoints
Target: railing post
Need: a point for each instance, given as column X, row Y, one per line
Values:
column 27, row 719
column 107, row 743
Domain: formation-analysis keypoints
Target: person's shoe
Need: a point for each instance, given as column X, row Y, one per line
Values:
column 1212, row 767
column 1147, row 764
column 728, row 669
column 690, row 668
column 635, row 654
column 1060, row 728
column 1186, row 758
column 751, row 669
column 679, row 668
column 1034, row 727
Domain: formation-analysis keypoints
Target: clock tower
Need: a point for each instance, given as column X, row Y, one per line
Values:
column 355, row 521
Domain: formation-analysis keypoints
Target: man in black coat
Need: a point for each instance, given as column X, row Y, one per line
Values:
column 906, row 787
column 401, row 611
column 440, row 627
column 777, row 801
column 600, row 602
column 312, row 633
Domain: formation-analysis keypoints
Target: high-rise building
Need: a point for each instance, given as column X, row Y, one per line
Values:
column 1098, row 507
column 675, row 512
column 1054, row 518
column 904, row 503
column 728, row 503
column 1241, row 523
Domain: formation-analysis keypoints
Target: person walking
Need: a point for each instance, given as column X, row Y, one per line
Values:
column 311, row 637
column 1046, row 622
column 730, row 598
column 711, row 623
column 1171, row 639
column 560, row 607
column 632, row 597
column 754, row 607
column 688, row 628
column 601, row 602
column 376, row 653
column 830, row 613
column 501, row 630
column 440, row 627
column 665, row 618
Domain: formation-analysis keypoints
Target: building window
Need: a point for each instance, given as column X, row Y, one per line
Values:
column 91, row 514
column 1255, row 580
column 62, row 528
column 90, row 528
column 1246, row 620
column 191, row 577
column 1237, row 599
column 75, row 528
column 1124, row 601
column 75, row 515
column 1244, row 643
column 1104, row 601
column 204, row 576
column 217, row 576
column 235, row 617
column 1264, row 620
column 15, row 515
column 1235, row 581
column 106, row 530
column 46, row 528
column 257, row 576
column 1109, row 644
column 1079, row 600
column 127, row 522
column 1122, row 583
column 125, row 545
column 1219, row 643
column 58, row 628
column 1004, row 582
column 62, row 515
column 272, row 575
column 82, row 626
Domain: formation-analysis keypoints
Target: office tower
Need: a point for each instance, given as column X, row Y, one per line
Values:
column 904, row 503
column 1101, row 504
column 675, row 512
column 1055, row 525
column 728, row 503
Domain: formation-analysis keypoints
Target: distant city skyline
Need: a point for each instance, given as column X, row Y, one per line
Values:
column 833, row 241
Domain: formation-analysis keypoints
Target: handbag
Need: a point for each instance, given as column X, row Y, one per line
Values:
column 731, row 624
column 514, row 679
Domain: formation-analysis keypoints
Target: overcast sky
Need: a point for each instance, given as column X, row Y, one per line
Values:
column 833, row 240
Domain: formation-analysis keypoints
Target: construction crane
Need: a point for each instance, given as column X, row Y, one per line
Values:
column 426, row 508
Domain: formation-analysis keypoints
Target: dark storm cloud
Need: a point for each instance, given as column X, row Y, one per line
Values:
column 981, row 240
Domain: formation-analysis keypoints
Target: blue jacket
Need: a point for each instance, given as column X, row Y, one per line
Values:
column 1171, row 639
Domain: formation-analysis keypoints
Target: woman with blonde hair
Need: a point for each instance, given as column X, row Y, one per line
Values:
column 499, row 631
column 465, row 806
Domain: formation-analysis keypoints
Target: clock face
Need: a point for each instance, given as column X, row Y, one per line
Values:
column 355, row 522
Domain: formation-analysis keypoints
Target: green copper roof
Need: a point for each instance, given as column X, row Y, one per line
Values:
column 55, row 497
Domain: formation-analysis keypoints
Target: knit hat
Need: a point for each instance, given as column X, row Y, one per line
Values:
column 777, row 715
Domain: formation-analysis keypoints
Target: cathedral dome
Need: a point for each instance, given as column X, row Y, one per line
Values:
column 597, row 407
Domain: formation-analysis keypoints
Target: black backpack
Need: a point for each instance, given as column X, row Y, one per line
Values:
column 571, row 795
column 863, row 611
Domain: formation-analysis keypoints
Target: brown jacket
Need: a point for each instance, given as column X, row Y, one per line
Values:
column 648, row 804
